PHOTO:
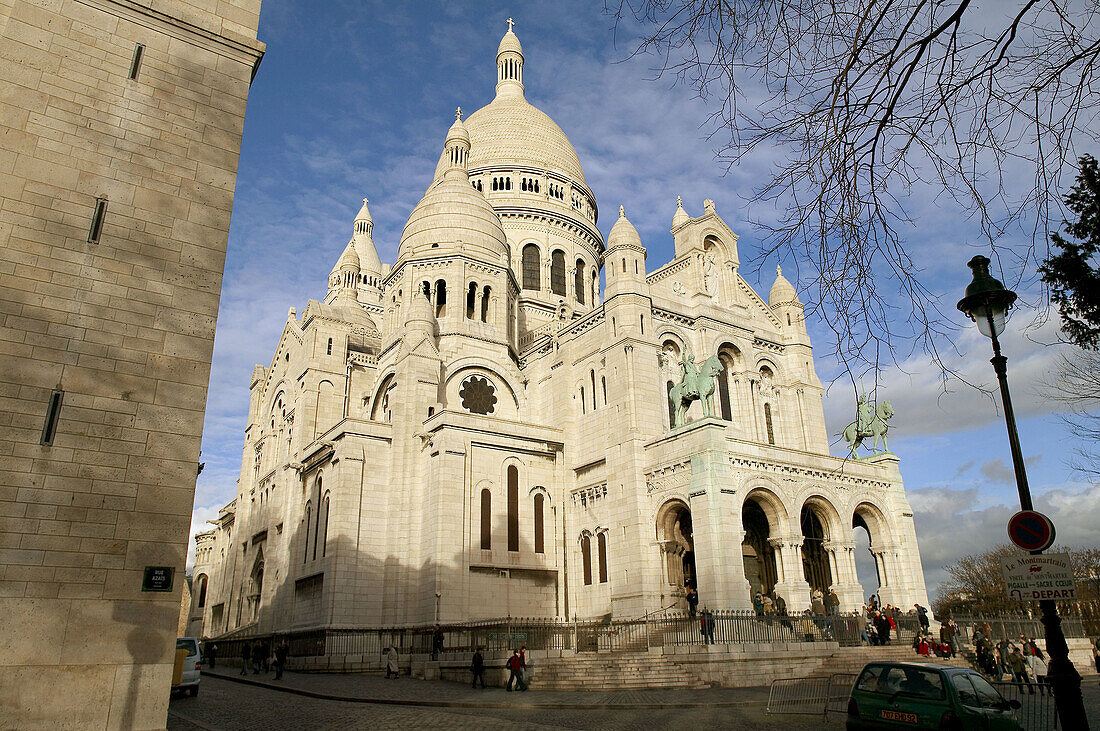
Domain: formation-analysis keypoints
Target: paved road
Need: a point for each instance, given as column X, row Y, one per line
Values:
column 222, row 704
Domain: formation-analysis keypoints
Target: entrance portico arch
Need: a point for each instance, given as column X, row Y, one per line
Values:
column 674, row 534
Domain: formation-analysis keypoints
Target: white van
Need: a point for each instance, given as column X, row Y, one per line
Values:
column 192, row 665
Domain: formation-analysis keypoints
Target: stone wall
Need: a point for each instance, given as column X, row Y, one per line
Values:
column 122, row 325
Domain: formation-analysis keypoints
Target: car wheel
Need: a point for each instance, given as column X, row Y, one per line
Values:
column 194, row 690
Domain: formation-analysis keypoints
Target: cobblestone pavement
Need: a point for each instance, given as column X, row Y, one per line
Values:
column 409, row 689
column 223, row 704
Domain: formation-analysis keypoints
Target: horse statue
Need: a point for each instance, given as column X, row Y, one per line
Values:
column 697, row 383
column 870, row 422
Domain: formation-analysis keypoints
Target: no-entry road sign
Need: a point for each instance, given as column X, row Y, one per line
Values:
column 1031, row 530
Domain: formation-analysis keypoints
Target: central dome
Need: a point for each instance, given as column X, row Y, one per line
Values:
column 510, row 131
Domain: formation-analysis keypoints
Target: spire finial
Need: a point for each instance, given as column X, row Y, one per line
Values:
column 679, row 202
column 366, row 201
column 510, row 24
column 622, row 212
column 458, row 114
column 778, row 270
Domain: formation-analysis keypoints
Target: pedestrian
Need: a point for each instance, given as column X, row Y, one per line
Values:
column 515, row 668
column 947, row 637
column 692, row 597
column 477, row 667
column 212, row 655
column 706, row 626
column 922, row 617
column 265, row 657
column 1037, row 666
column 392, row 670
column 437, row 642
column 954, row 637
column 758, row 604
column 281, row 652
column 781, row 610
column 257, row 650
column 524, row 679
column 246, row 657
column 1019, row 669
column 1002, row 659
column 832, row 603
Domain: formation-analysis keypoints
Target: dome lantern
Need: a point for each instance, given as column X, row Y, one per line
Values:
column 509, row 64
column 457, row 148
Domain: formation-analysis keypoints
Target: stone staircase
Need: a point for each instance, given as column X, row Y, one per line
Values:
column 852, row 659
column 618, row 671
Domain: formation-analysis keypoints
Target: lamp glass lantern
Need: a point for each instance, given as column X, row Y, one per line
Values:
column 987, row 302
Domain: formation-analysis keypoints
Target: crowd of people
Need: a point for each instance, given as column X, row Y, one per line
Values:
column 1023, row 661
column 258, row 656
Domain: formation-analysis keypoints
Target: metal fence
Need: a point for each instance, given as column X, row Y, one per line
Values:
column 664, row 629
column 1011, row 627
column 1037, row 710
column 819, row 695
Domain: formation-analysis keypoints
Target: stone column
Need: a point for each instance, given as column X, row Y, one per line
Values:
column 794, row 588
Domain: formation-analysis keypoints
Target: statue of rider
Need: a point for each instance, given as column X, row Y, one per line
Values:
column 865, row 412
column 689, row 376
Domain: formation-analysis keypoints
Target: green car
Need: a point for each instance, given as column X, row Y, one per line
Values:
column 894, row 695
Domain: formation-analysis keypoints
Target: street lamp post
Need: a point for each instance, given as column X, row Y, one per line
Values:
column 986, row 303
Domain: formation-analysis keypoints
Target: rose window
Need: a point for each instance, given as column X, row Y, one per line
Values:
column 478, row 395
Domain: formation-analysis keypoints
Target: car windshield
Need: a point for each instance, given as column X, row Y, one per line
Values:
column 184, row 643
column 987, row 694
column 898, row 680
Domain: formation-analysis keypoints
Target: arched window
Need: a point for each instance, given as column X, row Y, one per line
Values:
column 595, row 285
column 540, row 501
column 324, row 533
column 309, row 517
column 768, row 422
column 584, row 404
column 440, row 298
column 578, row 281
column 557, row 272
column 513, row 508
column 586, row 558
column 486, row 520
column 471, row 297
column 724, row 391
column 601, row 553
column 531, row 263
column 592, row 376
column 485, row 304
column 329, row 350
column 671, row 408
column 426, row 288
column 317, row 522
column 202, row 590
column 603, row 383
column 641, row 322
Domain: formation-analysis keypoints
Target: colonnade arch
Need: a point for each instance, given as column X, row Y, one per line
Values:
column 674, row 534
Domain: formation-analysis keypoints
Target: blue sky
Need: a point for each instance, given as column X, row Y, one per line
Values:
column 353, row 100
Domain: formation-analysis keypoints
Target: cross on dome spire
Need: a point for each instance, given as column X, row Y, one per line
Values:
column 778, row 270
column 510, row 24
column 622, row 212
column 458, row 114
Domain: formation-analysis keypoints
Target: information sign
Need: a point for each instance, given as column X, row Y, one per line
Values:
column 1031, row 530
column 1034, row 578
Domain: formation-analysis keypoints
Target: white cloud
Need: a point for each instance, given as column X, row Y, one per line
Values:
column 952, row 523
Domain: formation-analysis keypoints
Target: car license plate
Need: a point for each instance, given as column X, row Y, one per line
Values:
column 902, row 716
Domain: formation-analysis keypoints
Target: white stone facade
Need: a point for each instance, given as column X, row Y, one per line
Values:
column 478, row 431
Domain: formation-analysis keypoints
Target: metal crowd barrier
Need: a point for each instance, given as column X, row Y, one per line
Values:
column 818, row 695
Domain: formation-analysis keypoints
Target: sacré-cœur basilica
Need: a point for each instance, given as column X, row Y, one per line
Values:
column 477, row 431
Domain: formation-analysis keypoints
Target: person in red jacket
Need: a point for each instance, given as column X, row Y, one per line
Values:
column 515, row 667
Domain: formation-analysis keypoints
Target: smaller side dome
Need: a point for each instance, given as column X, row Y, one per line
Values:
column 349, row 260
column 457, row 134
column 681, row 216
column 510, row 41
column 623, row 233
column 510, row 64
column 782, row 291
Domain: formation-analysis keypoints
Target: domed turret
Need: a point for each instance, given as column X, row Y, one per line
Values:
column 624, row 260
column 681, row 216
column 344, row 278
column 452, row 214
column 369, row 263
column 782, row 291
column 421, row 317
